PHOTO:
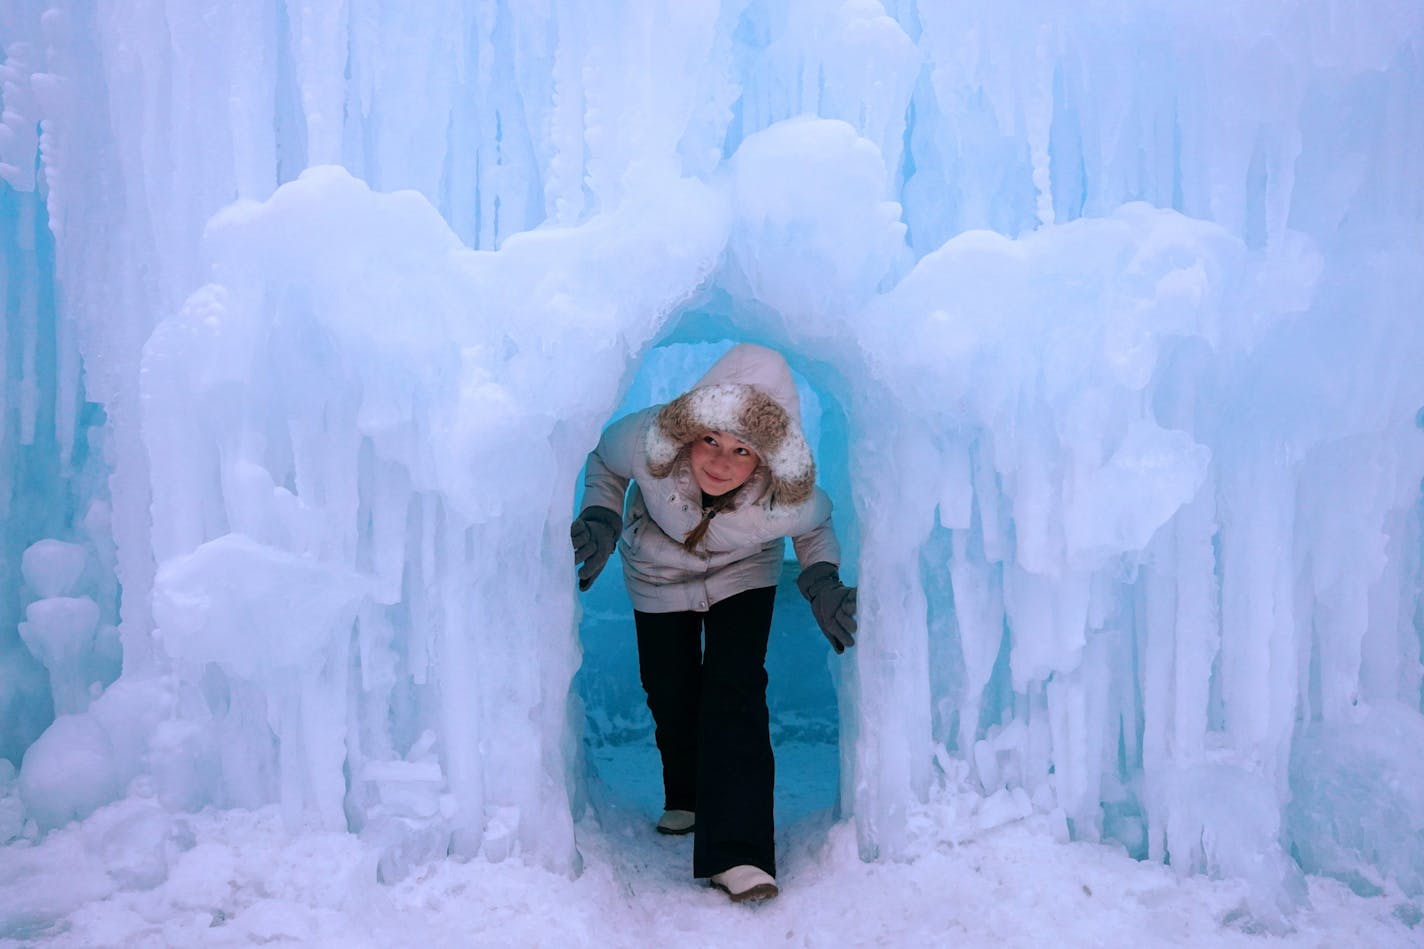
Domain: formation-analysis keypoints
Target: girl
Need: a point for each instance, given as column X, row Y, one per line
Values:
column 720, row 476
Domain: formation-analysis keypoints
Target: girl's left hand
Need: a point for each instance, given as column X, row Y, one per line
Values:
column 832, row 603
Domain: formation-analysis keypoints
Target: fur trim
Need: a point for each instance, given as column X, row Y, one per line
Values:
column 746, row 412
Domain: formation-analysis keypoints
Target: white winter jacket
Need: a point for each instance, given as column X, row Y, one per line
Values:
column 744, row 544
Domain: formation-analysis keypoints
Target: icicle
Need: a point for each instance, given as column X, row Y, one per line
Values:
column 319, row 38
column 27, row 318
column 979, row 611
column 460, row 687
column 565, row 171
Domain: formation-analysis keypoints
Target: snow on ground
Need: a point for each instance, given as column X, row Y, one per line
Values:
column 983, row 874
column 238, row 878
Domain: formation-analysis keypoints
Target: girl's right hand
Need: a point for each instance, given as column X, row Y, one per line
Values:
column 595, row 535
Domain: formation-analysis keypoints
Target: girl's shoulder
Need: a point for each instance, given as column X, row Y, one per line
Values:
column 792, row 519
column 625, row 439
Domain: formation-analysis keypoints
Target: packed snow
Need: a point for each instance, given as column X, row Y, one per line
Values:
column 1107, row 321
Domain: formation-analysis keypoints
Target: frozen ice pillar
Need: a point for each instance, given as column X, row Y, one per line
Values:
column 363, row 450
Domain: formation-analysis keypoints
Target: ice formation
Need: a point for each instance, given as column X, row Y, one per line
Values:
column 1111, row 318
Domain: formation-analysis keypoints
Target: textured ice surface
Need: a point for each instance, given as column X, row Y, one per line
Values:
column 59, row 631
column 52, row 567
column 1357, row 800
column 68, row 772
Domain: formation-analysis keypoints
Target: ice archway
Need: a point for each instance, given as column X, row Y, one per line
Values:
column 1121, row 312
column 422, row 496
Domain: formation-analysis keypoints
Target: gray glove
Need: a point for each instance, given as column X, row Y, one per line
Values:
column 594, row 534
column 832, row 603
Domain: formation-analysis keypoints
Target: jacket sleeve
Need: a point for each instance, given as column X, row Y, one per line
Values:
column 610, row 465
column 819, row 543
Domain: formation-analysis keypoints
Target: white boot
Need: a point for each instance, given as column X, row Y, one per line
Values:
column 745, row 882
column 677, row 822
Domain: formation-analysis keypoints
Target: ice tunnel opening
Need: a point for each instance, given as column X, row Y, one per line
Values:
column 622, row 766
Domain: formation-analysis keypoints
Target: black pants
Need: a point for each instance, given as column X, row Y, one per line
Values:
column 712, row 727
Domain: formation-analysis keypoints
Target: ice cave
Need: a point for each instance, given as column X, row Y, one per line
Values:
column 1108, row 320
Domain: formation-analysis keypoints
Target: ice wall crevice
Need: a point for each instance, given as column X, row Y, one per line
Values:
column 1119, row 310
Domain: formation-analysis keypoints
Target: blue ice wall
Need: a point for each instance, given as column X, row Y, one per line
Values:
column 32, row 472
column 55, row 554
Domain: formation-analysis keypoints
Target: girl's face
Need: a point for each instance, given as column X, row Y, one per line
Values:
column 721, row 462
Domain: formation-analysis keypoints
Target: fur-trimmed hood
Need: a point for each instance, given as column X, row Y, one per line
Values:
column 749, row 393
